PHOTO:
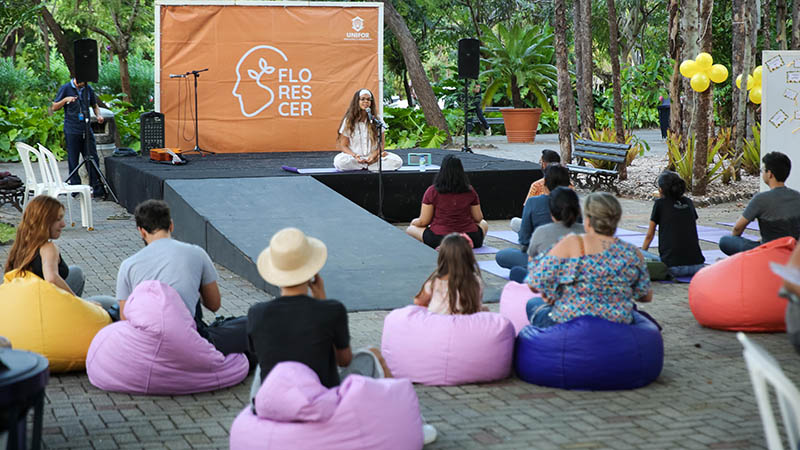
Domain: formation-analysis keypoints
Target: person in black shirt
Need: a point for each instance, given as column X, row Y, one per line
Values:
column 76, row 97
column 676, row 218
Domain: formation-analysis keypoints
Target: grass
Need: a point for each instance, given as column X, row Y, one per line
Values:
column 7, row 233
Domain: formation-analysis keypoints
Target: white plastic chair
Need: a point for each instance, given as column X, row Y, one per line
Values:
column 32, row 184
column 764, row 370
column 56, row 187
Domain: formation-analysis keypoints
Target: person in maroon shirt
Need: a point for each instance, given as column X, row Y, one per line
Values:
column 450, row 205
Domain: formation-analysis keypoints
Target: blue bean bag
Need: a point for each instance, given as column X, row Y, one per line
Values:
column 590, row 353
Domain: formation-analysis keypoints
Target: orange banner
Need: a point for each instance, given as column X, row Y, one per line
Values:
column 279, row 77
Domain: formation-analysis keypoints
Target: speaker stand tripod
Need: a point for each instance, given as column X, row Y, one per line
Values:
column 466, row 148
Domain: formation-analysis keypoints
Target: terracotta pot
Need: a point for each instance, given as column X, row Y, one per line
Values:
column 521, row 123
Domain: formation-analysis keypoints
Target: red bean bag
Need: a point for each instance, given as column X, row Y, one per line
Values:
column 740, row 293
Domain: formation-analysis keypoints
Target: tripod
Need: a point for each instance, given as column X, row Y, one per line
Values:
column 197, row 148
column 379, row 128
column 87, row 133
column 466, row 148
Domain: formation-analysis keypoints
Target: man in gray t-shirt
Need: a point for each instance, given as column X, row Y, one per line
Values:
column 777, row 210
column 184, row 267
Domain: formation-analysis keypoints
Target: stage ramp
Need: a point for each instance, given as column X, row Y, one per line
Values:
column 371, row 265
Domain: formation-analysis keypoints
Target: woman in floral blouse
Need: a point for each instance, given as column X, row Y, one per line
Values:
column 594, row 274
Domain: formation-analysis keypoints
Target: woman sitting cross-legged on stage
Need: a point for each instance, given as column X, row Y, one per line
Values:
column 358, row 139
column 450, row 205
column 594, row 274
column 455, row 287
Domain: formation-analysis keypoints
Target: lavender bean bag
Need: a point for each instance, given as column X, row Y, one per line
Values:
column 513, row 300
column 591, row 353
column 157, row 350
column 294, row 410
column 438, row 349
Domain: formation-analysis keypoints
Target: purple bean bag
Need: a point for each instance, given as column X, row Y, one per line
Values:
column 294, row 410
column 591, row 353
column 513, row 300
column 157, row 350
column 438, row 349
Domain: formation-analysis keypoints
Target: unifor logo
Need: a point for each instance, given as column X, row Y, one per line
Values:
column 358, row 24
column 263, row 68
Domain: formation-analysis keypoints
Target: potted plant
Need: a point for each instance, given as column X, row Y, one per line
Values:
column 519, row 58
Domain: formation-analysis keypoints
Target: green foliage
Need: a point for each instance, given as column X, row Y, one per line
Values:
column 13, row 81
column 126, row 117
column 141, row 73
column 520, row 58
column 31, row 124
column 548, row 122
column 407, row 128
column 751, row 158
column 683, row 164
column 640, row 86
column 7, row 233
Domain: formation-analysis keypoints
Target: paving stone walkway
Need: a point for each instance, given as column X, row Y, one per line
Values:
column 703, row 398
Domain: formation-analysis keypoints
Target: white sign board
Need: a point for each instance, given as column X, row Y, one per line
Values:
column 780, row 108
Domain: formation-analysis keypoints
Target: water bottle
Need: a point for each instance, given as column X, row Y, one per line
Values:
column 422, row 164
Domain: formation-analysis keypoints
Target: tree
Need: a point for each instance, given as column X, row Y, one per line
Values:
column 689, row 10
column 780, row 24
column 675, row 44
column 613, row 49
column 567, row 120
column 796, row 25
column 584, row 87
column 703, row 106
column 422, row 86
column 62, row 44
column 738, row 44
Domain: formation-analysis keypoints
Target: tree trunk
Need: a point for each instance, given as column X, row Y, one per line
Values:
column 425, row 96
column 796, row 25
column 740, row 129
column 766, row 24
column 516, row 98
column 675, row 53
column 407, row 88
column 613, row 50
column 585, row 99
column 124, row 76
column 738, row 30
column 576, row 25
column 566, row 101
column 703, row 107
column 61, row 41
column 9, row 45
column 45, row 43
column 690, row 50
column 780, row 24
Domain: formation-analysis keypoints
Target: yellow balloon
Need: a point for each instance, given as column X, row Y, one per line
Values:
column 739, row 81
column 700, row 82
column 688, row 68
column 718, row 73
column 757, row 75
column 704, row 61
column 755, row 95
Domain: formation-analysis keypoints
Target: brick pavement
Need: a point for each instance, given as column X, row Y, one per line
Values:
column 703, row 398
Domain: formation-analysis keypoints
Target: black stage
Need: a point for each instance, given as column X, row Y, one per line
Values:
column 502, row 184
column 231, row 204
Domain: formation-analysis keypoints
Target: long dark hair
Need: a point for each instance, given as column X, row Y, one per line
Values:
column 457, row 262
column 451, row 178
column 672, row 185
column 355, row 114
column 33, row 231
column 565, row 206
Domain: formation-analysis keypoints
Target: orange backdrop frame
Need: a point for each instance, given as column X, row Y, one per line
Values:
column 280, row 74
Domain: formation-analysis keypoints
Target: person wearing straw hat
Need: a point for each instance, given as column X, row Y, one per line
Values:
column 302, row 324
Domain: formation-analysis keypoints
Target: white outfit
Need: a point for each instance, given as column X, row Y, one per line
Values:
column 440, row 299
column 360, row 145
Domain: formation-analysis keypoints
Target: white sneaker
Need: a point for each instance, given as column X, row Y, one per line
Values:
column 428, row 434
column 364, row 363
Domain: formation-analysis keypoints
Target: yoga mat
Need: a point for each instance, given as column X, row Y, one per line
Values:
column 624, row 232
column 713, row 256
column 333, row 169
column 638, row 240
column 700, row 228
column 683, row 279
column 493, row 268
column 750, row 226
column 485, row 250
column 714, row 236
column 506, row 235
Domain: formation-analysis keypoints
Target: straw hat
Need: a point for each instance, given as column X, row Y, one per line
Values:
column 291, row 258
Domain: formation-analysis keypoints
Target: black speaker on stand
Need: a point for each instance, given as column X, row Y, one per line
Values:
column 85, row 60
column 469, row 66
column 151, row 132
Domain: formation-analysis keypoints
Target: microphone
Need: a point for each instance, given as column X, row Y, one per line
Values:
column 172, row 75
column 375, row 120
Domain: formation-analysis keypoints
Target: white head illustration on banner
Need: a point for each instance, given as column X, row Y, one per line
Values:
column 263, row 66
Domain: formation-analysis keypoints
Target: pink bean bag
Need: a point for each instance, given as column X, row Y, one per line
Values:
column 512, row 304
column 740, row 293
column 438, row 349
column 157, row 350
column 294, row 410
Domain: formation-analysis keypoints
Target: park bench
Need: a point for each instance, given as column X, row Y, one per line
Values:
column 493, row 120
column 593, row 177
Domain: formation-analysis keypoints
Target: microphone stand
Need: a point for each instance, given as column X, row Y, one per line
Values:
column 197, row 148
column 466, row 148
column 379, row 128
